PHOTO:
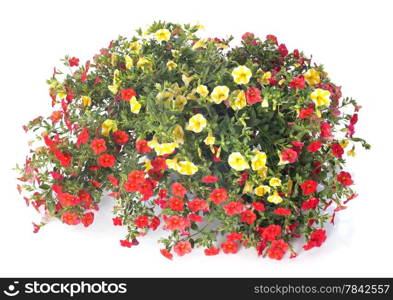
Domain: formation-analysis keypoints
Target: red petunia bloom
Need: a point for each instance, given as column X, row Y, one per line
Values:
column 178, row 189
column 345, row 178
column 166, row 253
column 270, row 232
column 197, row 204
column 106, row 160
column 297, row 82
column 235, row 236
column 85, row 198
column 248, row 217
column 127, row 94
column 253, row 95
column 277, row 249
column 258, row 206
column 195, row 218
column 314, row 146
column 282, row 211
column 176, row 223
column 142, row 146
column 209, row 179
column 272, row 38
column 229, row 247
column 70, row 218
column 142, row 221
column 73, row 62
column 176, row 204
column 136, row 176
column 283, row 50
column 120, row 137
column 211, row 251
column 248, row 37
column 125, row 243
column 233, row 208
column 83, row 137
column 117, row 221
column 159, row 163
column 154, row 223
column 131, row 186
column 87, row 219
column 182, row 248
column 98, row 146
column 326, row 129
column 317, row 238
column 56, row 116
column 311, row 203
column 243, row 178
column 68, row 200
column 113, row 180
column 305, row 113
column 309, row 187
column 289, row 155
column 337, row 150
column 219, row 195
column 64, row 158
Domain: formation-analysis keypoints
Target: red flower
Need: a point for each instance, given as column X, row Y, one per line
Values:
column 311, row 203
column 131, row 186
column 73, row 62
column 64, row 158
column 127, row 94
column 243, row 178
column 182, row 248
column 197, row 204
column 85, row 198
column 309, row 187
column 253, row 95
column 337, row 150
column 166, row 253
column 142, row 146
column 113, row 180
column 87, row 219
column 297, row 144
column 70, row 218
column 248, row 217
column 297, row 82
column 345, row 178
column 233, row 208
column 159, row 163
column 117, row 221
column 258, row 206
column 277, row 249
column 195, row 218
column 289, row 155
column 235, row 236
column 120, row 137
column 98, row 146
column 248, row 36
column 219, row 195
column 176, row 223
column 106, row 160
column 326, row 129
column 283, row 50
column 305, row 113
column 314, row 146
column 176, row 204
column 125, row 243
column 212, row 251
column 83, row 137
column 136, row 176
column 271, row 232
column 229, row 247
column 178, row 189
column 209, row 179
column 282, row 211
column 68, row 200
column 155, row 222
column 273, row 38
column 142, row 221
column 316, row 239
column 56, row 116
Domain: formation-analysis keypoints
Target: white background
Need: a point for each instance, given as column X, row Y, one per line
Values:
column 351, row 38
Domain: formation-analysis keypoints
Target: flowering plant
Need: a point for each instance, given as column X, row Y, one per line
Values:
column 219, row 146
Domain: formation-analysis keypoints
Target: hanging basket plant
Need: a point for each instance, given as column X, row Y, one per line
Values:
column 220, row 146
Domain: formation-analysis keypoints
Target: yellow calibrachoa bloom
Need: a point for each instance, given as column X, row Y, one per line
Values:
column 351, row 152
column 186, row 79
column 344, row 143
column 108, row 126
column 162, row 35
column 186, row 168
column 237, row 161
column 129, row 62
column 202, row 90
column 274, row 182
column 210, row 139
column 144, row 62
column 241, row 75
column 135, row 105
column 162, row 149
column 178, row 134
column 86, row 101
column 166, row 97
column 219, row 94
column 264, row 79
column 312, row 77
column 171, row 65
column 240, row 101
column 275, row 198
column 172, row 164
column 147, row 164
column 135, row 47
column 262, row 190
column 196, row 123
column 113, row 88
column 61, row 94
column 180, row 102
column 262, row 172
column 320, row 97
column 200, row 44
column 258, row 162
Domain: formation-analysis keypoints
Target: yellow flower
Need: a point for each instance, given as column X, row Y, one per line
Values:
column 262, row 172
column 344, row 143
column 219, row 94
column 165, row 148
column 191, row 95
column 200, row 44
column 61, row 94
column 162, row 35
column 172, row 164
column 175, row 53
column 179, row 134
column 275, row 198
column 166, row 97
column 240, row 101
column 196, row 123
column 320, row 97
column 135, row 47
column 186, row 79
column 351, row 152
column 262, row 190
column 186, row 168
column 116, row 77
column 153, row 143
column 171, row 65
column 147, row 164
column 113, row 88
column 86, row 101
column 135, row 105
column 237, row 161
column 241, row 75
column 210, row 139
column 114, row 59
column 258, row 162
column 274, row 182
column 312, row 77
column 108, row 126
column 202, row 90
column 129, row 62
column 144, row 62
column 264, row 79
column 180, row 102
